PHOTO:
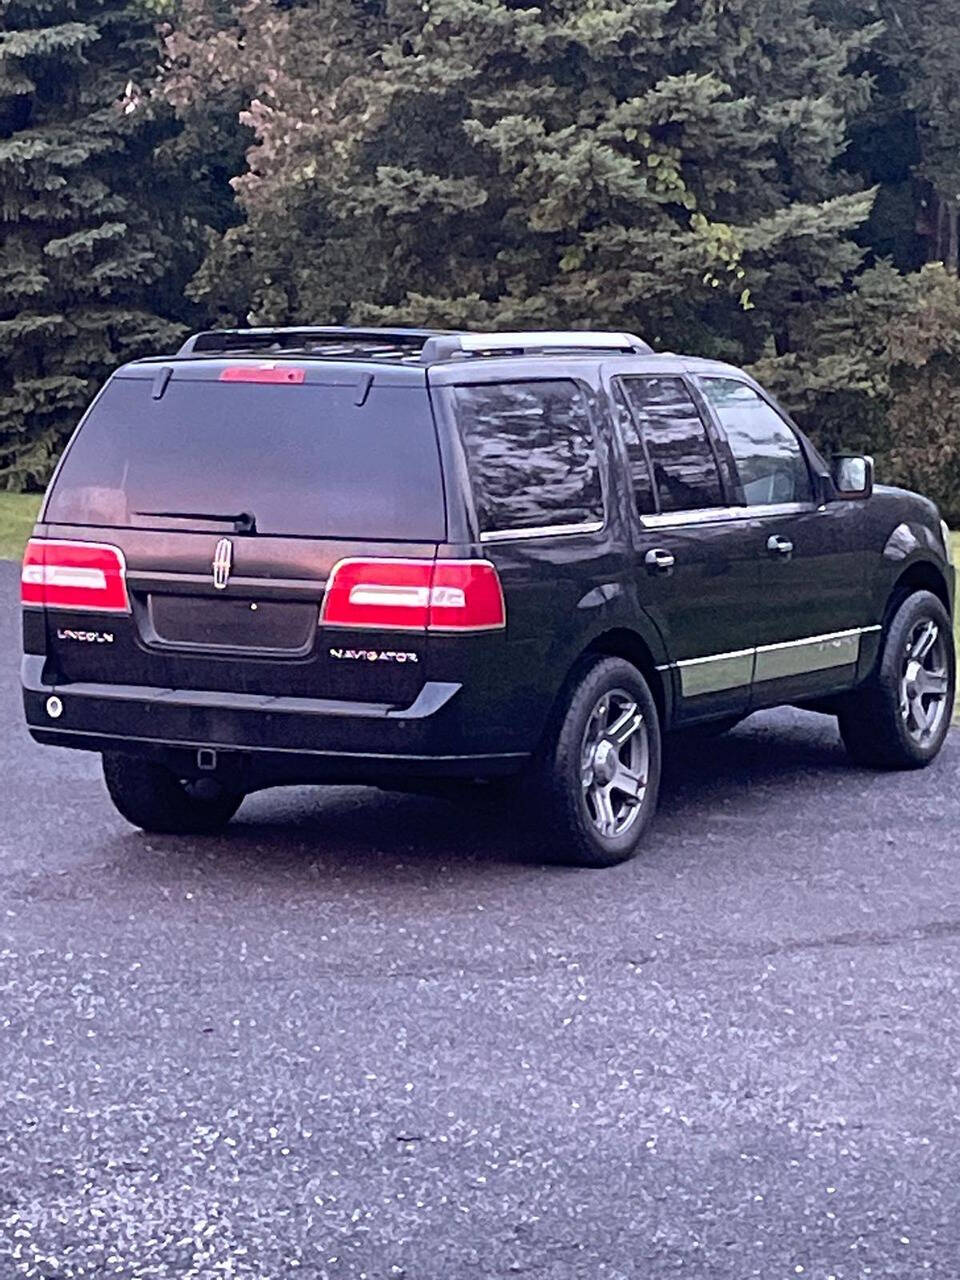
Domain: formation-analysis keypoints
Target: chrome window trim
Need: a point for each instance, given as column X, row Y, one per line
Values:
column 782, row 508
column 702, row 515
column 543, row 531
column 706, row 515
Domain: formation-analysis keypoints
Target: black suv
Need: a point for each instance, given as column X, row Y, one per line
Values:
column 406, row 557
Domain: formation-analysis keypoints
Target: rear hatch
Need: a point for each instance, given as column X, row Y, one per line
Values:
column 231, row 490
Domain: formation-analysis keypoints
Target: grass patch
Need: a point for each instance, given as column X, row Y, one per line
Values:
column 18, row 511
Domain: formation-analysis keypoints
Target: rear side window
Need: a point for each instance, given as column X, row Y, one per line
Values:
column 531, row 454
column 305, row 461
column 685, row 470
column 637, row 460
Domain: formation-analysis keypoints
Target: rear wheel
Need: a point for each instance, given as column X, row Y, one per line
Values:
column 900, row 718
column 152, row 797
column 600, row 773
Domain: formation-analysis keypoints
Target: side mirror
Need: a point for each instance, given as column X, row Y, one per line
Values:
column 852, row 475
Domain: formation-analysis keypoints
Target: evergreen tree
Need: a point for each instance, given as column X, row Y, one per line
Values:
column 922, row 45
column 659, row 164
column 93, row 249
column 880, row 374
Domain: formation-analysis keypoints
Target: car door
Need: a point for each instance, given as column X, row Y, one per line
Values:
column 813, row 606
column 695, row 568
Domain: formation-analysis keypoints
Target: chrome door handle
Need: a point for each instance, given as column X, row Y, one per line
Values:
column 659, row 561
column 781, row 548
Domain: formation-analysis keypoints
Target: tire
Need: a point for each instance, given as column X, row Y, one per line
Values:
column 565, row 802
column 901, row 716
column 153, row 798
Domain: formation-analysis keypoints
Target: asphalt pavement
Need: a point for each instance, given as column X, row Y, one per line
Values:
column 367, row 1035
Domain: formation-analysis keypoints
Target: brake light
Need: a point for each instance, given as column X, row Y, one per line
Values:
column 263, row 373
column 74, row 575
column 414, row 595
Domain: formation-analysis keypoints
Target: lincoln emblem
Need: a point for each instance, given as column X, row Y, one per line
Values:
column 222, row 560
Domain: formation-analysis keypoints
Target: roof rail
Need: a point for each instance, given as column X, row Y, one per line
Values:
column 224, row 341
column 432, row 346
column 451, row 346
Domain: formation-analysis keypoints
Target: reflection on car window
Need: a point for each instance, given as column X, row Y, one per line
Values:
column 531, row 453
column 684, row 468
column 766, row 451
column 636, row 455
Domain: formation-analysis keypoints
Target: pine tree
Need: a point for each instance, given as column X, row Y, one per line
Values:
column 922, row 44
column 665, row 165
column 91, row 241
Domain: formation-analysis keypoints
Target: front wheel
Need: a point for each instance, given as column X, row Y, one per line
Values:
column 900, row 717
column 152, row 797
column 599, row 775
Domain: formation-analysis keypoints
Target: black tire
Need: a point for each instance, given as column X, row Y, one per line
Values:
column 877, row 725
column 562, row 812
column 153, row 798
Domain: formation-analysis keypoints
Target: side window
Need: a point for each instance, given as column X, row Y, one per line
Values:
column 684, row 467
column 531, row 454
column 637, row 462
column 765, row 450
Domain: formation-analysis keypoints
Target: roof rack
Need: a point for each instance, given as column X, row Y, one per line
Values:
column 452, row 346
column 311, row 337
column 427, row 346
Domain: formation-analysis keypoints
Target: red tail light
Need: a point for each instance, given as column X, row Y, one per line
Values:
column 414, row 595
column 74, row 575
column 263, row 373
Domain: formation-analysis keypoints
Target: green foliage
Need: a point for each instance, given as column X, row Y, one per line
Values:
column 94, row 251
column 18, row 514
column 723, row 176
column 881, row 373
column 644, row 163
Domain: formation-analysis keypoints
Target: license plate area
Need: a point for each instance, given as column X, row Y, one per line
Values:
column 200, row 624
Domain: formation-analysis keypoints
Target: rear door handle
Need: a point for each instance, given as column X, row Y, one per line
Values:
column 659, row 561
column 779, row 548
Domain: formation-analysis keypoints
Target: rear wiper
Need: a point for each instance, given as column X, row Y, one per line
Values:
column 244, row 522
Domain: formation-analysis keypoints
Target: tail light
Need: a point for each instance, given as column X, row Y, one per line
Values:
column 74, row 575
column 414, row 595
column 281, row 374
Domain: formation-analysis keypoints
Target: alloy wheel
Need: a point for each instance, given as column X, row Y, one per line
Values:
column 614, row 763
column 925, row 682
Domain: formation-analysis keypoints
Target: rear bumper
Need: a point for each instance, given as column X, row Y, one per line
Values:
column 280, row 737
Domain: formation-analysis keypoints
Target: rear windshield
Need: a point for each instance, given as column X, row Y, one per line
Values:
column 305, row 461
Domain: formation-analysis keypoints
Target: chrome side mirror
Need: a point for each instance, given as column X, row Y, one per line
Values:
column 852, row 475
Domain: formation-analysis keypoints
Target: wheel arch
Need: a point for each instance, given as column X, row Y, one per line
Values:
column 922, row 575
column 613, row 642
column 622, row 642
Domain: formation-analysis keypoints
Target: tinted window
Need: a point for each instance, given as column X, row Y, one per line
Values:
column 531, row 454
column 304, row 460
column 766, row 451
column 684, row 468
column 637, row 462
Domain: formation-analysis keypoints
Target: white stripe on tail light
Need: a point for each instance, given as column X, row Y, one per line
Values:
column 85, row 576
column 414, row 595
